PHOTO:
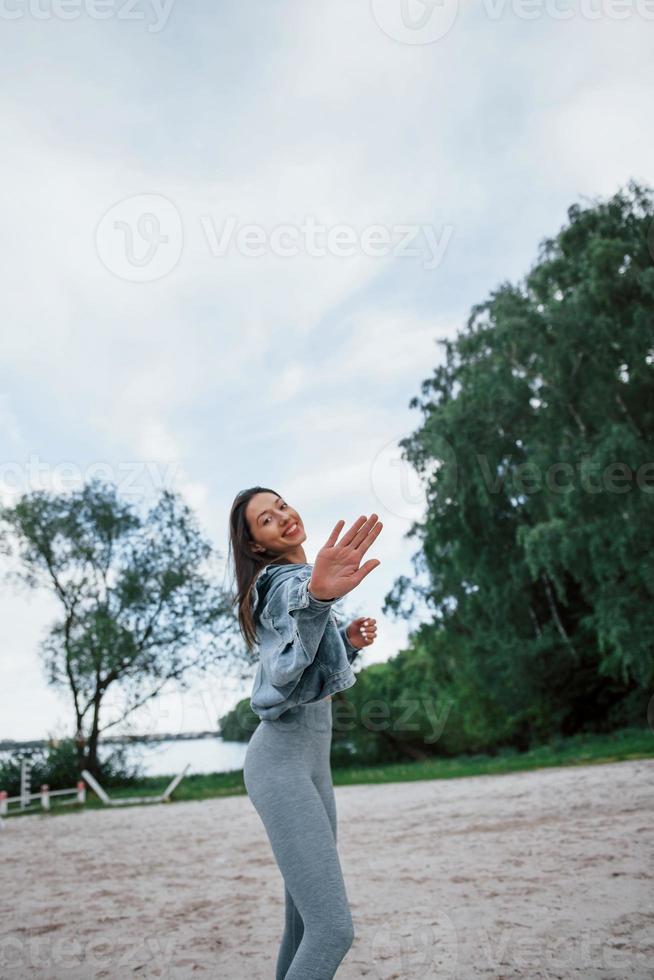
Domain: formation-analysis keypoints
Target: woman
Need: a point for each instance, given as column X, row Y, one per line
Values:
column 285, row 609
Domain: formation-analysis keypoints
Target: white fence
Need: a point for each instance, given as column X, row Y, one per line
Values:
column 28, row 800
column 124, row 800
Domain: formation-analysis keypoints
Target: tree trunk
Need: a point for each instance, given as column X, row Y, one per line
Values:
column 80, row 744
column 92, row 745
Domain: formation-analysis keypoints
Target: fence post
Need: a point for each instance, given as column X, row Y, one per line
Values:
column 3, row 802
column 25, row 795
column 81, row 791
column 45, row 796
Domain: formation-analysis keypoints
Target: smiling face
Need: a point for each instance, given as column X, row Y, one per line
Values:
column 276, row 528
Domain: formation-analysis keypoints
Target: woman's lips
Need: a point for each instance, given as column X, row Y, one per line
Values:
column 291, row 534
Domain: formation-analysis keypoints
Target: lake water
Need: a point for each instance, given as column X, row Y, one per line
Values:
column 203, row 755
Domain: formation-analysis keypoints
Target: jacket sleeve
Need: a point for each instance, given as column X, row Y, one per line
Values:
column 299, row 619
column 351, row 650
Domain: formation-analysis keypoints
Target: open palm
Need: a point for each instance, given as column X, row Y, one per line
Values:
column 336, row 569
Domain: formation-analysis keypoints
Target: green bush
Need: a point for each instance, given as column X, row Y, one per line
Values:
column 56, row 765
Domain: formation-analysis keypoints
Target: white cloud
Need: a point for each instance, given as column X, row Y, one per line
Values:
column 295, row 371
column 9, row 424
column 599, row 140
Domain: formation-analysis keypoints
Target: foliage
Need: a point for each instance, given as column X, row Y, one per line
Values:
column 536, row 450
column 536, row 559
column 238, row 724
column 57, row 766
column 139, row 607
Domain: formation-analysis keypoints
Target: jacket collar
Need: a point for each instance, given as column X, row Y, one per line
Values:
column 271, row 572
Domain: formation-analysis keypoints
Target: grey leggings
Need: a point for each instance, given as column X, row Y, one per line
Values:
column 288, row 778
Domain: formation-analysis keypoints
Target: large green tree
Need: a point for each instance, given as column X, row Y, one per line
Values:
column 139, row 603
column 536, row 450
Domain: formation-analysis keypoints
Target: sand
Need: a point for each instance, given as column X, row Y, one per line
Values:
column 537, row 874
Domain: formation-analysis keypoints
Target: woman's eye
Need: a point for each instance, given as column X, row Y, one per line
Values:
column 267, row 519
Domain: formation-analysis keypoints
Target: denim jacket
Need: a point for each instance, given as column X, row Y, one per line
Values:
column 305, row 654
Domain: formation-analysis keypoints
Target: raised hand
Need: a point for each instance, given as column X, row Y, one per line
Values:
column 336, row 568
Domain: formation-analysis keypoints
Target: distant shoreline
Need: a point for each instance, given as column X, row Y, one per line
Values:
column 8, row 745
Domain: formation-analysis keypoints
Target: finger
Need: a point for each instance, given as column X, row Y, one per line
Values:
column 351, row 532
column 366, row 569
column 370, row 537
column 368, row 624
column 364, row 530
column 331, row 540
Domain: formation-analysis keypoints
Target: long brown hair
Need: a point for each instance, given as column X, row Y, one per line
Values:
column 246, row 563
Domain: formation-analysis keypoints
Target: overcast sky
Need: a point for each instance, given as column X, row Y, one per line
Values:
column 206, row 275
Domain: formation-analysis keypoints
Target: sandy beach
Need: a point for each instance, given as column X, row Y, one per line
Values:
column 542, row 874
